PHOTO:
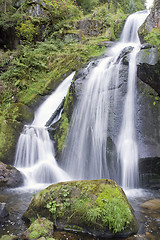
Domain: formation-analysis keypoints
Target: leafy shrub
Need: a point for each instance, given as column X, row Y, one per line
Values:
column 154, row 37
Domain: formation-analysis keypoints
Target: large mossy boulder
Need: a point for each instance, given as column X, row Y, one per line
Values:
column 98, row 207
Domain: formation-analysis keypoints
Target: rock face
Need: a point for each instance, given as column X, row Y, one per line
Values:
column 9, row 176
column 90, row 27
column 98, row 207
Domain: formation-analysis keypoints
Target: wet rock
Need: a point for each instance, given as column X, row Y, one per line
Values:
column 3, row 211
column 147, row 55
column 124, row 55
column 146, row 46
column 39, row 229
column 10, row 176
column 98, row 207
column 152, row 205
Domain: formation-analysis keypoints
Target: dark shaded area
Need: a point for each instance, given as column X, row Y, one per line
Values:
column 8, row 38
column 149, row 169
column 150, row 74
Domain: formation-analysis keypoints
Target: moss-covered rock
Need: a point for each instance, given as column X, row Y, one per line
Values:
column 20, row 112
column 10, row 129
column 98, row 207
column 9, row 133
column 41, row 227
column 63, row 125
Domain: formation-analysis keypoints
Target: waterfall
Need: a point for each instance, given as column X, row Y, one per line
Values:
column 35, row 150
column 86, row 145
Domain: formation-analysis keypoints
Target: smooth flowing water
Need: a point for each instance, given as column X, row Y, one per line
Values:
column 35, row 150
column 85, row 154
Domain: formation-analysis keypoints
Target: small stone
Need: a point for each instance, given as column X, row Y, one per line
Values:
column 153, row 204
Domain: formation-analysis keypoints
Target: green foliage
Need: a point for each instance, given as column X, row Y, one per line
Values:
column 52, row 206
column 27, row 31
column 154, row 37
column 60, row 9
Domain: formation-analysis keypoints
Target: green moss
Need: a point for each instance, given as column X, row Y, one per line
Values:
column 63, row 130
column 39, row 228
column 114, row 211
column 9, row 132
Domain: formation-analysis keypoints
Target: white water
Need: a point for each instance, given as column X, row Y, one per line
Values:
column 85, row 154
column 35, row 150
column 127, row 147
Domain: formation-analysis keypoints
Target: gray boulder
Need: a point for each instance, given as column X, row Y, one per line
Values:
column 9, row 176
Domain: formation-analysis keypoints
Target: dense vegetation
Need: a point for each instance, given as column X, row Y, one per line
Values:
column 42, row 41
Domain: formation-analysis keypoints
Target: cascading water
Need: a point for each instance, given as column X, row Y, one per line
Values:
column 35, row 150
column 85, row 154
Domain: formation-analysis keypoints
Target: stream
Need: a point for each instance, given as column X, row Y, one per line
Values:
column 19, row 199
